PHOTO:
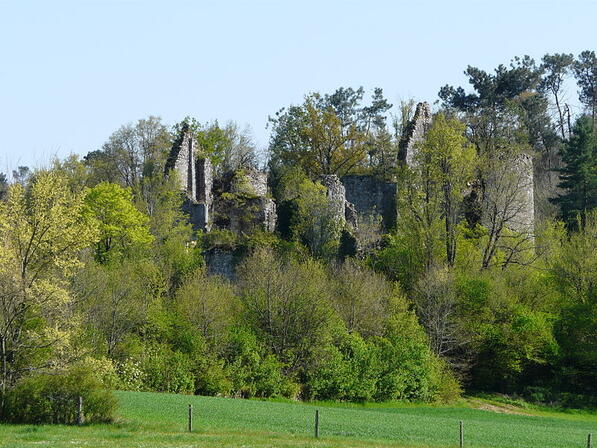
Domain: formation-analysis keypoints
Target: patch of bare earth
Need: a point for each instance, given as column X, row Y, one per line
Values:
column 499, row 408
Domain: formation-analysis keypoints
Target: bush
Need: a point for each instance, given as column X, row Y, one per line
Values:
column 345, row 370
column 53, row 398
column 220, row 239
column 327, row 375
column 130, row 375
column 409, row 369
column 447, row 389
column 168, row 371
column 253, row 372
column 212, row 377
column 104, row 370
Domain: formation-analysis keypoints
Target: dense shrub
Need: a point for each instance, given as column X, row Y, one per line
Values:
column 166, row 370
column 253, row 372
column 104, row 370
column 53, row 398
column 212, row 377
column 130, row 375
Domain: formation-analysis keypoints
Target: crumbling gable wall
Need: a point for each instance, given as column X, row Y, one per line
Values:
column 205, row 180
column 336, row 196
column 181, row 161
column 195, row 178
column 414, row 134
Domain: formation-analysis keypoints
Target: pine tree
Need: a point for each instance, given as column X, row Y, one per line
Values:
column 578, row 178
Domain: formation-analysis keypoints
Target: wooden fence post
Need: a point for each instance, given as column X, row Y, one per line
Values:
column 190, row 418
column 590, row 441
column 461, row 434
column 80, row 411
column 317, row 423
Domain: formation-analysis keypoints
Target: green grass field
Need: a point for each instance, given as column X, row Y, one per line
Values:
column 159, row 420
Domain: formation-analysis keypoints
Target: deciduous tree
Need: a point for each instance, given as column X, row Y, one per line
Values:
column 42, row 230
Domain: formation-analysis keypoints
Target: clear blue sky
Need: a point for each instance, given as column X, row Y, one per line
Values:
column 72, row 72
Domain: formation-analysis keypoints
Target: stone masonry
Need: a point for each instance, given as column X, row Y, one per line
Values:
column 371, row 196
column 240, row 202
column 194, row 177
column 415, row 133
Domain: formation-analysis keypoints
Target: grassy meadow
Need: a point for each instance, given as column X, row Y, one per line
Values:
column 159, row 420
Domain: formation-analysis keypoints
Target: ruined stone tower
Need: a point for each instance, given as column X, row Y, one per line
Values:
column 195, row 178
column 508, row 193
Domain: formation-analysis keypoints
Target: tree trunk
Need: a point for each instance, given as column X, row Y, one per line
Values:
column 4, row 371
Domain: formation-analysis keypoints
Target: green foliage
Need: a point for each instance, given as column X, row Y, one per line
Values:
column 578, row 177
column 506, row 327
column 166, row 370
column 403, row 256
column 212, row 377
column 330, row 134
column 131, row 153
column 42, row 231
column 345, row 370
column 444, row 166
column 457, row 293
column 585, row 72
column 116, row 300
column 104, row 370
column 220, row 239
column 229, row 148
column 306, row 214
column 363, row 299
column 286, row 302
column 209, row 305
column 3, row 185
column 253, row 372
column 574, row 271
column 122, row 227
column 51, row 398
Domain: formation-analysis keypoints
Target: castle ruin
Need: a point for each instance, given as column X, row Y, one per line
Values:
column 195, row 178
column 240, row 201
column 204, row 202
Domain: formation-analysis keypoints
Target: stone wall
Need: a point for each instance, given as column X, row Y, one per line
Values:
column 414, row 133
column 182, row 161
column 336, row 196
column 242, row 204
column 195, row 177
column 255, row 181
column 245, row 214
column 268, row 216
column 204, row 172
column 509, row 194
column 198, row 214
column 546, row 180
column 371, row 196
